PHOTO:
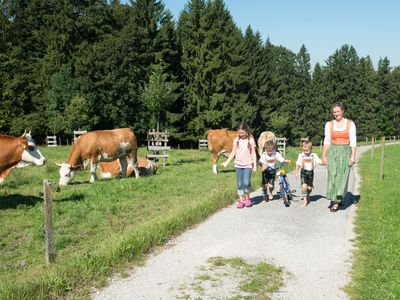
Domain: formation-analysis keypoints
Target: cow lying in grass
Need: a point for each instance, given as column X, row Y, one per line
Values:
column 113, row 169
column 97, row 146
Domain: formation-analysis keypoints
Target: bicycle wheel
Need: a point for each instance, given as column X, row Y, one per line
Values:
column 284, row 196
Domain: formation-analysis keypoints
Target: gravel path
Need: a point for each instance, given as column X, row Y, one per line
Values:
column 312, row 244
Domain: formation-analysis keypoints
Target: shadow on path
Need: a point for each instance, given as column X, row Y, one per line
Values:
column 349, row 200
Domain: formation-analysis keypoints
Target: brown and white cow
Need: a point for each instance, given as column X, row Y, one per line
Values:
column 113, row 168
column 14, row 150
column 265, row 136
column 220, row 142
column 97, row 146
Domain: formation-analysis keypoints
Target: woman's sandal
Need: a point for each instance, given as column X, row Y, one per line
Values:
column 335, row 207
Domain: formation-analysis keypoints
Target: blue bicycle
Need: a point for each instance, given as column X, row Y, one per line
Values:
column 284, row 187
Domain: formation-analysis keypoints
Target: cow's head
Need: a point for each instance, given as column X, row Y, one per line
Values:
column 67, row 173
column 31, row 153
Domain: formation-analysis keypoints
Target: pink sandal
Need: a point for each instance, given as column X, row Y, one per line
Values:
column 248, row 202
column 240, row 204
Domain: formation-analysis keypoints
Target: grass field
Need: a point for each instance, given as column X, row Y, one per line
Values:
column 376, row 268
column 104, row 227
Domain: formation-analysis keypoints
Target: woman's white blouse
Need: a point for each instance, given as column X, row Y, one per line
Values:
column 352, row 132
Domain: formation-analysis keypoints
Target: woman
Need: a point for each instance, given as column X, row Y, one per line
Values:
column 338, row 154
column 244, row 151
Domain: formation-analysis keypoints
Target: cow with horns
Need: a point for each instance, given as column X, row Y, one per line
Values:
column 14, row 150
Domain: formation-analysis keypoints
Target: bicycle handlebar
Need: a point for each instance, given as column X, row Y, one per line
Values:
column 278, row 167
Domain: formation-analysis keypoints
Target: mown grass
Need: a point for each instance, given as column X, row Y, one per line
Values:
column 376, row 268
column 104, row 227
column 233, row 278
column 100, row 228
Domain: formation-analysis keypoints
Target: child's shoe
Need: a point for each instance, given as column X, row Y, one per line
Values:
column 248, row 202
column 240, row 204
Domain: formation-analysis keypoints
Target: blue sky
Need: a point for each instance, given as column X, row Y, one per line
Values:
column 372, row 27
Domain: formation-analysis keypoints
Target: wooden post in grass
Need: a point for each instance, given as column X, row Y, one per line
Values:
column 382, row 157
column 48, row 219
column 372, row 147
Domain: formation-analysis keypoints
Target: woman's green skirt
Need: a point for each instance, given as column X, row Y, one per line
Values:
column 338, row 171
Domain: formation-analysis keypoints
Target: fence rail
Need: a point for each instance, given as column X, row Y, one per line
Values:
column 157, row 145
column 51, row 141
column 203, row 144
column 281, row 145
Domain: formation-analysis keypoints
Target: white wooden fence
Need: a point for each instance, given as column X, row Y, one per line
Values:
column 157, row 145
column 203, row 144
column 78, row 133
column 281, row 145
column 51, row 141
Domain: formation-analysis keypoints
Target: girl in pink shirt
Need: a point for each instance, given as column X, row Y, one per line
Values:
column 244, row 151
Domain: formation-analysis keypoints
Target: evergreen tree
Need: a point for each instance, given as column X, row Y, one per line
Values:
column 5, row 106
column 342, row 78
column 146, row 17
column 216, row 87
column 282, row 97
column 387, row 97
column 191, row 37
column 225, row 81
column 167, row 56
column 367, row 117
column 22, row 89
column 302, row 104
column 320, row 107
column 396, row 101
column 255, row 65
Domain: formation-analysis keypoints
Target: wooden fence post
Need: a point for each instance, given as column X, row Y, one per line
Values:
column 372, row 147
column 48, row 218
column 382, row 157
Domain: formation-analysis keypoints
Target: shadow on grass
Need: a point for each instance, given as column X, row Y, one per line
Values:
column 13, row 201
column 72, row 198
column 190, row 160
column 225, row 171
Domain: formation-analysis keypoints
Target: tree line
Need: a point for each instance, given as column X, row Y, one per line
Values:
column 93, row 64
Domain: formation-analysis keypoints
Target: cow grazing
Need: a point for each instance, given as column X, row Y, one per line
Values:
column 113, row 168
column 220, row 142
column 14, row 150
column 97, row 146
column 265, row 136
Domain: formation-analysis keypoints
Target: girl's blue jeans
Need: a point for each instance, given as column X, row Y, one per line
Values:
column 243, row 176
